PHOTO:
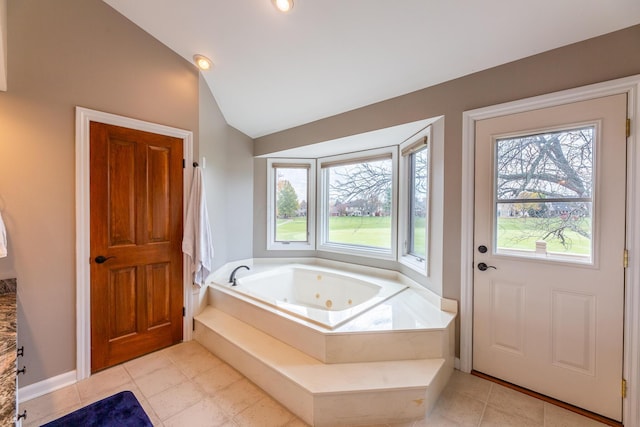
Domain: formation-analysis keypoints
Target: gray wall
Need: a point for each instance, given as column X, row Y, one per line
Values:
column 228, row 176
column 68, row 53
column 603, row 58
column 596, row 60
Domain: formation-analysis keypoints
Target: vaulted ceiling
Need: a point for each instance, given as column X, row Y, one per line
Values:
column 274, row 71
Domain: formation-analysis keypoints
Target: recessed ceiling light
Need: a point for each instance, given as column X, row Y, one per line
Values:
column 202, row 62
column 283, row 5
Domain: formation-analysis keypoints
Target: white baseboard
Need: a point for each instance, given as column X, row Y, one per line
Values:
column 32, row 391
column 456, row 363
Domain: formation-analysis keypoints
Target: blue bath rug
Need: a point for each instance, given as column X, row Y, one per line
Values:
column 122, row 409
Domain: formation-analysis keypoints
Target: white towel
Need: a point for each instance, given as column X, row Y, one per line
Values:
column 197, row 241
column 3, row 239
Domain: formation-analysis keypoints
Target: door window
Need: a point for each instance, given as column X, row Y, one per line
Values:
column 543, row 198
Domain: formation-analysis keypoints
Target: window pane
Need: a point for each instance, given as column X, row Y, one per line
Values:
column 565, row 228
column 544, row 189
column 360, row 204
column 548, row 165
column 291, row 204
column 418, row 174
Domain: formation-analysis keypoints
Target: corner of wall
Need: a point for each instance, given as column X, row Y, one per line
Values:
column 228, row 178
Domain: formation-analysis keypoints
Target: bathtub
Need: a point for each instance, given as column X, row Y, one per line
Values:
column 324, row 296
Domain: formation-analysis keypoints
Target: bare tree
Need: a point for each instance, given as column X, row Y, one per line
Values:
column 362, row 181
column 371, row 183
column 556, row 167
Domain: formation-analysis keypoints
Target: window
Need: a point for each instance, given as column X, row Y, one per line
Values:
column 414, row 201
column 416, row 236
column 290, row 194
column 544, row 194
column 372, row 203
column 357, row 206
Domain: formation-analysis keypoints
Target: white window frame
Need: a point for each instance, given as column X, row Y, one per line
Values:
column 404, row 257
column 272, row 244
column 323, row 200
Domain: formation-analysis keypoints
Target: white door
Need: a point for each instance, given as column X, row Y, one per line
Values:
column 549, row 238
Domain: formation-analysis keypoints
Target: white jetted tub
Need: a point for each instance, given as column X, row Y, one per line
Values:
column 324, row 296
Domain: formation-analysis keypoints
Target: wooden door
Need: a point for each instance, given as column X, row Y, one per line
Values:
column 549, row 244
column 136, row 231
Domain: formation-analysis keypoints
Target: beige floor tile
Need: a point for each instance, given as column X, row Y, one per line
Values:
column 102, row 383
column 405, row 424
column 436, row 420
column 264, row 413
column 554, row 416
column 52, row 403
column 175, row 399
column 495, row 418
column 197, row 363
column 32, row 421
column 130, row 386
column 470, row 385
column 296, row 422
column 159, row 380
column 218, row 395
column 205, row 413
column 513, row 402
column 147, row 364
column 239, row 396
column 221, row 396
column 184, row 350
column 458, row 408
column 217, row 378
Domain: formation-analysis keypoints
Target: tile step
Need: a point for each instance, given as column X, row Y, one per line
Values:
column 324, row 394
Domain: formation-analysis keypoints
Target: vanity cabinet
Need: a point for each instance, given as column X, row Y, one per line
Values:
column 8, row 351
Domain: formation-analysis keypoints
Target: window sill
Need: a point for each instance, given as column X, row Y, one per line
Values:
column 367, row 252
column 290, row 246
column 413, row 263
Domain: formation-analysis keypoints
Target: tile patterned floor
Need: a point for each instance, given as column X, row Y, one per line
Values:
column 185, row 385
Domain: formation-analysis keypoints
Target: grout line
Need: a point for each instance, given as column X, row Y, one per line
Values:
column 486, row 403
column 482, row 414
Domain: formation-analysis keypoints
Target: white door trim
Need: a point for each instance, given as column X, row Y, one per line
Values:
column 83, row 301
column 630, row 86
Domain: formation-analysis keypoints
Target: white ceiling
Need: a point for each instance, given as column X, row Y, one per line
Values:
column 274, row 71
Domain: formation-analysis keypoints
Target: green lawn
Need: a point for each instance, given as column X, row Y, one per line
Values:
column 419, row 239
column 513, row 233
column 352, row 230
column 291, row 229
column 522, row 233
column 372, row 231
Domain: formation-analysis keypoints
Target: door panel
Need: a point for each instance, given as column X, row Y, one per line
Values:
column 573, row 329
column 159, row 197
column 122, row 297
column 507, row 312
column 121, row 192
column 136, row 223
column 548, row 309
column 158, row 294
